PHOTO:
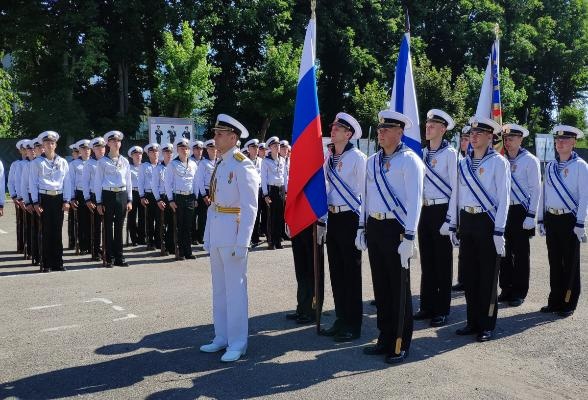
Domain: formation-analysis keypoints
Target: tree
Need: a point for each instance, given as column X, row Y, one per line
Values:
column 183, row 75
column 8, row 100
column 368, row 101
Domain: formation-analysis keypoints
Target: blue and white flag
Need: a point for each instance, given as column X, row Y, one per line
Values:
column 403, row 98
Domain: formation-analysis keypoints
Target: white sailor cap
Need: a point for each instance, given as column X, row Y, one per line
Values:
column 262, row 146
column 391, row 119
column 348, row 122
column 37, row 142
column 226, row 122
column 197, row 143
column 252, row 142
column 117, row 135
column 514, row 130
column 484, row 124
column 209, row 143
column 182, row 142
column 28, row 144
column 238, row 143
column 436, row 115
column 98, row 142
column 135, row 149
column 567, row 131
column 167, row 147
column 73, row 146
column 151, row 146
column 48, row 135
column 20, row 144
column 82, row 143
column 272, row 140
column 284, row 143
column 465, row 131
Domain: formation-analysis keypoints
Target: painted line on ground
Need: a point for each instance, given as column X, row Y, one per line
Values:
column 44, row 307
column 3, row 232
column 118, row 308
column 59, row 328
column 98, row 299
column 129, row 316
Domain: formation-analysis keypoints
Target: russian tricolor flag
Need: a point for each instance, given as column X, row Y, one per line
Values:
column 404, row 99
column 307, row 193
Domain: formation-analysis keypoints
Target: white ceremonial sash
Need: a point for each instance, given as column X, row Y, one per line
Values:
column 478, row 190
column 519, row 194
column 393, row 204
column 561, row 189
column 353, row 201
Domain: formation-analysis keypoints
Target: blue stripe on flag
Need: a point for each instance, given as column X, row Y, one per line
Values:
column 412, row 143
column 316, row 193
column 306, row 108
column 401, row 67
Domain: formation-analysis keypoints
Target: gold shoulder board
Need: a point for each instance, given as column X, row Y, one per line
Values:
column 238, row 156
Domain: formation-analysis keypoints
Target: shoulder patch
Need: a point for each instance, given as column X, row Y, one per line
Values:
column 239, row 156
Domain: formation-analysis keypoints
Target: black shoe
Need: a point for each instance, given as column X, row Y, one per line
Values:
column 484, row 336
column 439, row 321
column 332, row 331
column 373, row 302
column 375, row 350
column 190, row 257
column 150, row 248
column 565, row 314
column 279, row 246
column 420, row 315
column 45, row 270
column 548, row 309
column 121, row 263
column 396, row 358
column 517, row 301
column 345, row 336
column 466, row 330
column 457, row 287
column 271, row 247
column 107, row 265
column 180, row 258
column 503, row 297
column 293, row 316
column 62, row 268
column 305, row 319
column 95, row 258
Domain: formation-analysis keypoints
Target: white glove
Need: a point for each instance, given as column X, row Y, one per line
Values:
column 454, row 239
column 580, row 233
column 287, row 229
column 360, row 240
column 406, row 251
column 542, row 231
column 321, row 234
column 206, row 247
column 240, row 252
column 529, row 223
column 499, row 243
column 444, row 230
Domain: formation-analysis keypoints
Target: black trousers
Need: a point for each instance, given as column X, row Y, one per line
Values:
column 345, row 269
column 152, row 220
column 563, row 252
column 27, row 231
column 515, row 266
column 71, row 240
column 166, row 225
column 479, row 255
column 136, row 230
column 383, row 238
column 262, row 214
column 52, row 223
column 302, row 249
column 201, row 212
column 115, row 204
column 256, row 226
column 83, row 222
column 436, row 253
column 184, row 219
column 19, row 230
column 276, row 218
column 97, row 227
column 460, row 268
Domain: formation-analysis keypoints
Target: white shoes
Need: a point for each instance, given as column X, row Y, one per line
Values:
column 233, row 355
column 212, row 348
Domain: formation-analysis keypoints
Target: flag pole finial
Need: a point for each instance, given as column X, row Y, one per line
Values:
column 496, row 30
column 313, row 9
column 406, row 21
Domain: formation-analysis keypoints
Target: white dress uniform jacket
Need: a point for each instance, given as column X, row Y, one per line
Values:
column 273, row 173
column 404, row 172
column 351, row 169
column 180, row 178
column 23, row 186
column 88, row 178
column 444, row 164
column 230, row 220
column 45, row 174
column 494, row 175
column 134, row 175
column 158, row 180
column 76, row 172
column 112, row 174
column 145, row 178
column 524, row 168
column 203, row 174
column 14, row 177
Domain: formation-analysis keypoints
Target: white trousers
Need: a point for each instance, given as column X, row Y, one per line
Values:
column 229, row 298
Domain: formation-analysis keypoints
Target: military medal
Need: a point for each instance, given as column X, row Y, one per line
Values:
column 230, row 177
column 433, row 162
column 481, row 170
column 513, row 167
column 566, row 172
column 339, row 166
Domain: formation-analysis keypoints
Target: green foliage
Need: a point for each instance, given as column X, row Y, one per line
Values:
column 8, row 99
column 367, row 102
column 574, row 115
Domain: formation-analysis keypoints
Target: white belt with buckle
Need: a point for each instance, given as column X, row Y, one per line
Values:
column 557, row 211
column 473, row 209
column 115, row 189
column 148, row 191
column 432, row 202
column 136, row 188
column 514, row 202
column 382, row 216
column 79, row 188
column 182, row 193
column 338, row 209
column 50, row 192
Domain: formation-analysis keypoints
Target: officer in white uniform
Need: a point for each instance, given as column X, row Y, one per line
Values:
column 158, row 187
column 136, row 217
column 484, row 198
column 114, row 196
column 231, row 215
column 561, row 218
column 274, row 180
column 439, row 206
column 76, row 169
column 252, row 147
column 146, row 194
column 345, row 176
column 50, row 187
column 525, row 190
column 98, row 145
column 393, row 201
column 203, row 175
column 181, row 188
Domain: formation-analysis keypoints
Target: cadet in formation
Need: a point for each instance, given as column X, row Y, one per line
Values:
column 274, row 181
column 136, row 217
column 197, row 155
column 98, row 146
column 464, row 142
column 252, row 147
column 14, row 174
column 146, row 194
column 203, row 175
column 165, row 234
column 81, row 213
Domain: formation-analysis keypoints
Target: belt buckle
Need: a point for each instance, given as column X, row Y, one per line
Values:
column 469, row 209
column 380, row 216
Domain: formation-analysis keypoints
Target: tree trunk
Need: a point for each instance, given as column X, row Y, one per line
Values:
column 177, row 110
column 264, row 126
